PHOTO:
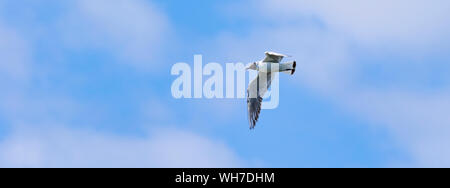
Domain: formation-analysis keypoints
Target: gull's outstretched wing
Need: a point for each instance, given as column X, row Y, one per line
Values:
column 272, row 57
column 255, row 93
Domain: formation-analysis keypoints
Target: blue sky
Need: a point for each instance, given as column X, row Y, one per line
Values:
column 87, row 83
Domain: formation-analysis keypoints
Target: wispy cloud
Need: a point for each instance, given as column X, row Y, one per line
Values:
column 62, row 147
column 330, row 65
column 132, row 29
column 15, row 55
column 411, row 24
column 47, row 128
column 325, row 37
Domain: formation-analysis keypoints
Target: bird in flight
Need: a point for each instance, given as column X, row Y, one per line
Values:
column 258, row 87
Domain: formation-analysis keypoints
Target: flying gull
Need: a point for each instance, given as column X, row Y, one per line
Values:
column 259, row 86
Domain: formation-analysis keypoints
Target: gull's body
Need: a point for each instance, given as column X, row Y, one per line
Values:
column 259, row 86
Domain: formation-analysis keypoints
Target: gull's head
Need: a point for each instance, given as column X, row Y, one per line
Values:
column 251, row 66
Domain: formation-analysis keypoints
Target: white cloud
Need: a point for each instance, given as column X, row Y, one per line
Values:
column 132, row 29
column 410, row 23
column 327, row 63
column 60, row 147
column 418, row 120
column 43, row 135
column 40, row 123
column 15, row 67
column 14, row 55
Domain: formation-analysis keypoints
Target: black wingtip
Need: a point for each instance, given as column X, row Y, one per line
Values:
column 253, row 124
column 293, row 70
column 253, row 114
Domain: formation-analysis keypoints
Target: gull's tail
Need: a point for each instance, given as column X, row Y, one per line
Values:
column 288, row 68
